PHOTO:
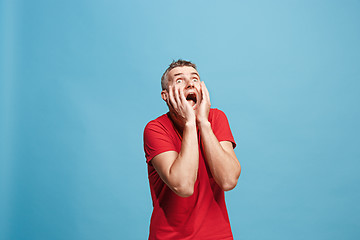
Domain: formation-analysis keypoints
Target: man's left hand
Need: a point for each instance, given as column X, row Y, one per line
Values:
column 202, row 111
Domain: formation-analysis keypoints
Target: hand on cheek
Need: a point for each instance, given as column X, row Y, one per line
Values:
column 179, row 106
column 202, row 112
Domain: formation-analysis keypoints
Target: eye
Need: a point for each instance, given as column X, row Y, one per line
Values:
column 195, row 79
column 179, row 81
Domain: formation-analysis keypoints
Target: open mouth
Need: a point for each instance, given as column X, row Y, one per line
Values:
column 191, row 98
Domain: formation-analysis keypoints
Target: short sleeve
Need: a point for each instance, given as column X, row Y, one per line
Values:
column 221, row 127
column 156, row 140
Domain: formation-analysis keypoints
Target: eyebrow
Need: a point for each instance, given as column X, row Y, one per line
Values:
column 177, row 74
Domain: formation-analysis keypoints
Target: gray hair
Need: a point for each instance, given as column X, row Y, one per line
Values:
column 174, row 64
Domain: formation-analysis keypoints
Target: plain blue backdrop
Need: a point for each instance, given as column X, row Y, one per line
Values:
column 79, row 80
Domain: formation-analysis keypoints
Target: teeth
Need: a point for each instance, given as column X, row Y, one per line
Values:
column 191, row 96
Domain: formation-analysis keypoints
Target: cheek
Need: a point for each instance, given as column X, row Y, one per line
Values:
column 198, row 87
column 178, row 86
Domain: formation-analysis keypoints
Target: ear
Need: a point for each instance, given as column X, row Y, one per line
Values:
column 164, row 95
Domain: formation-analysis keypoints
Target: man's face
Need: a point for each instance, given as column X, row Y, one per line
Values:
column 188, row 79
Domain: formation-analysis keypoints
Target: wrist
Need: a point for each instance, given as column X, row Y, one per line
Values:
column 190, row 124
column 203, row 123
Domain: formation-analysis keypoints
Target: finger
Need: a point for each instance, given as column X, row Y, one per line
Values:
column 202, row 91
column 171, row 95
column 168, row 100
column 182, row 96
column 177, row 97
column 207, row 95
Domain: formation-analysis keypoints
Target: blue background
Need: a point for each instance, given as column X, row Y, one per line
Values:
column 80, row 80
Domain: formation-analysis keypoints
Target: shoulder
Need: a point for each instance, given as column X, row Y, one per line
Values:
column 159, row 137
column 218, row 119
column 215, row 113
column 162, row 120
column 159, row 125
column 220, row 125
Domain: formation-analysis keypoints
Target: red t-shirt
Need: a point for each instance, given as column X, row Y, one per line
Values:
column 201, row 216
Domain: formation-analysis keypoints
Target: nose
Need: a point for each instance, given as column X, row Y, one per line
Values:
column 189, row 83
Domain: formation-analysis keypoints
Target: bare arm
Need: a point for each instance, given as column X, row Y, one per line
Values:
column 179, row 170
column 220, row 156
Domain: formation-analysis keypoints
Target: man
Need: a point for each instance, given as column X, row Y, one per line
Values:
column 191, row 161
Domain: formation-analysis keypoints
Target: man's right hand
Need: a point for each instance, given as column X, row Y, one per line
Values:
column 179, row 106
column 179, row 169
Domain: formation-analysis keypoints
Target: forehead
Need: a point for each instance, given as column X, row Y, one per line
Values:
column 185, row 70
